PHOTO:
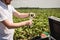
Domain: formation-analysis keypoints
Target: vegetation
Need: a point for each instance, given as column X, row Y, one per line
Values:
column 40, row 24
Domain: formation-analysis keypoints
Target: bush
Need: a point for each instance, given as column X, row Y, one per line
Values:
column 40, row 23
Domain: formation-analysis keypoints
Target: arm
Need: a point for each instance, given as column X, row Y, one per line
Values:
column 20, row 15
column 9, row 24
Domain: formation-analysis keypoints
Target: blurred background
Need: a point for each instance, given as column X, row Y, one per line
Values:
column 36, row 3
column 43, row 9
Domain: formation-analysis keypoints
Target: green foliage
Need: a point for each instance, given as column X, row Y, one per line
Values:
column 40, row 23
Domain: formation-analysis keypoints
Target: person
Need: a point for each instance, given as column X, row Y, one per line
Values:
column 6, row 20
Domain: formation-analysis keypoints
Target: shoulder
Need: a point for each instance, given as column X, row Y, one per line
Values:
column 1, row 9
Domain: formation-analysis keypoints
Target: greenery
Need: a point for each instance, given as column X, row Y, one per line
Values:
column 40, row 24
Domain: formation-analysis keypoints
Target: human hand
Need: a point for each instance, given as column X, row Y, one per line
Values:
column 29, row 22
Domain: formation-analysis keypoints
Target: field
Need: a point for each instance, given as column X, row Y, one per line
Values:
column 40, row 23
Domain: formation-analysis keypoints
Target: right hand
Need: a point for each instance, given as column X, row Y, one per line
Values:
column 29, row 22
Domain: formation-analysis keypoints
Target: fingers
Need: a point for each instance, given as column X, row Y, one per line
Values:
column 30, row 22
